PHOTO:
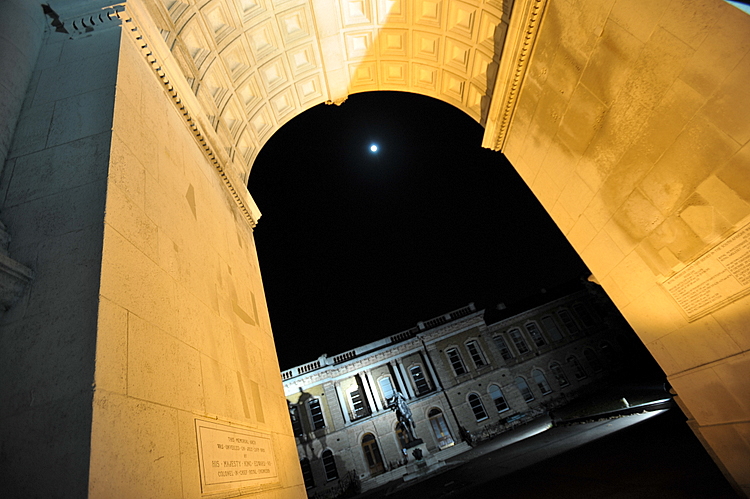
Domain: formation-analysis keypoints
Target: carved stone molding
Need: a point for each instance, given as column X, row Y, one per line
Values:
column 135, row 22
column 522, row 32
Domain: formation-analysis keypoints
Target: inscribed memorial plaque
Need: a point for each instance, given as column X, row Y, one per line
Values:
column 231, row 457
column 715, row 279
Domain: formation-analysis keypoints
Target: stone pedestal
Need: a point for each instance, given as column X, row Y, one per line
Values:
column 426, row 464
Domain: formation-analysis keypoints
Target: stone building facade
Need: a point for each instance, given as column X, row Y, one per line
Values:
column 467, row 375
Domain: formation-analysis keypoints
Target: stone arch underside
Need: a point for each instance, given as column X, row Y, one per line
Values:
column 628, row 124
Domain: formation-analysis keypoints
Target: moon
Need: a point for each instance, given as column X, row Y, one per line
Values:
column 374, row 148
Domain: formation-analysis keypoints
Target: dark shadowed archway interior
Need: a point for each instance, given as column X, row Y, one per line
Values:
column 356, row 245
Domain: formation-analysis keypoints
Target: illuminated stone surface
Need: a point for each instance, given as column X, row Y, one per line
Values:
column 140, row 125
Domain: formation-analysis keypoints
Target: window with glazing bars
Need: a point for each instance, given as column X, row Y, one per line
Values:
column 316, row 414
column 419, row 380
column 456, row 362
column 518, row 341
column 477, row 407
column 536, row 334
column 475, row 352
column 502, row 347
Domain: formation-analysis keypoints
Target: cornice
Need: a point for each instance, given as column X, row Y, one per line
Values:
column 137, row 23
column 522, row 32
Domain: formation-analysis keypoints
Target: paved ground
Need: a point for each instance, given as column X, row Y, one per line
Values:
column 639, row 456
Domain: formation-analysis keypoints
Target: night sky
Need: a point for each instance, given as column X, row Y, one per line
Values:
column 356, row 246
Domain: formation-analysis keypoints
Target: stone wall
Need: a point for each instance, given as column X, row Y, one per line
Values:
column 630, row 129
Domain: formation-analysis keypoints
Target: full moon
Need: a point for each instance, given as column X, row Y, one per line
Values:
column 374, row 148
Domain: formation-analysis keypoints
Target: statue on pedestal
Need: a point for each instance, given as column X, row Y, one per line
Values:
column 398, row 404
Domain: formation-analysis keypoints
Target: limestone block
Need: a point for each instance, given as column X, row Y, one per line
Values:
column 602, row 254
column 133, row 281
column 63, row 429
column 639, row 17
column 131, row 222
column 225, row 392
column 32, row 131
column 127, row 172
column 598, row 212
column 722, row 386
column 719, row 53
column 111, row 348
column 698, row 343
column 659, row 63
column 134, row 446
column 582, row 120
column 653, row 314
column 582, row 233
column 736, row 321
column 698, row 151
column 615, row 130
column 162, row 369
column 731, row 443
column 723, row 109
column 610, row 63
column 703, row 219
column 54, row 170
column 633, row 276
column 202, row 329
column 79, row 75
column 638, row 217
column 81, row 115
column 725, row 200
column 62, row 343
column 676, row 235
column 575, row 196
column 695, row 21
column 736, row 172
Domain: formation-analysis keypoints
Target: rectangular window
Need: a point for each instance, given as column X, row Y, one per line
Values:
column 386, row 387
column 316, row 414
column 502, row 347
column 358, row 403
column 568, row 321
column 536, row 334
column 550, row 326
column 419, row 380
column 476, row 353
column 296, row 422
column 518, row 341
column 455, row 359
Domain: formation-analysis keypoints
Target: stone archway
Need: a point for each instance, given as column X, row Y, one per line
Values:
column 622, row 120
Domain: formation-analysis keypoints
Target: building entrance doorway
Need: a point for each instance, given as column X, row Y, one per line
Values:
column 440, row 428
column 372, row 454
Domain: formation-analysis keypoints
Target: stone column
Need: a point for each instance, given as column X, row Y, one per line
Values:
column 405, row 376
column 334, row 402
column 366, row 390
column 342, row 403
column 373, row 391
column 431, row 370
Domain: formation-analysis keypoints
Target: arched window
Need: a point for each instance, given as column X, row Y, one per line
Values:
column 550, row 326
column 329, row 464
column 316, row 414
column 477, row 407
column 541, row 381
column 475, row 351
column 523, row 387
column 497, row 397
column 440, row 428
column 518, row 341
column 307, row 473
column 419, row 380
column 536, row 334
column 502, row 347
column 372, row 454
column 568, row 321
column 559, row 374
column 578, row 371
column 456, row 361
column 592, row 359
